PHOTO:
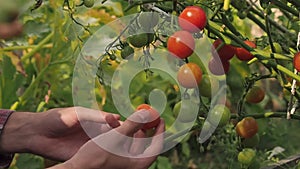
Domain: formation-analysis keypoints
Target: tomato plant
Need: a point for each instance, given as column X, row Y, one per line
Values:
column 208, row 86
column 255, row 95
column 148, row 20
column 243, row 54
column 189, row 75
column 185, row 111
column 218, row 67
column 251, row 142
column 127, row 51
column 296, row 61
column 192, row 19
column 141, row 40
column 247, row 127
column 219, row 115
column 181, row 44
column 247, row 156
column 88, row 3
column 223, row 51
column 155, row 118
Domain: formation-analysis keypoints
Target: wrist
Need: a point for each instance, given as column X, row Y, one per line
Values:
column 17, row 133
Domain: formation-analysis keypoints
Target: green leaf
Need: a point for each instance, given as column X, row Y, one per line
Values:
column 186, row 149
column 26, row 161
column 163, row 163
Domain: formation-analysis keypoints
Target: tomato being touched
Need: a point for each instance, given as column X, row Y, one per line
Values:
column 192, row 19
column 225, row 52
column 155, row 118
column 218, row 67
column 181, row 44
column 243, row 54
column 189, row 75
column 247, row 127
column 296, row 61
column 255, row 95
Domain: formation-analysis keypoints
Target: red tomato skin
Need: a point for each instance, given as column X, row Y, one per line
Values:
column 225, row 53
column 218, row 67
column 181, row 44
column 247, row 127
column 155, row 118
column 189, row 75
column 243, row 54
column 296, row 61
column 192, row 19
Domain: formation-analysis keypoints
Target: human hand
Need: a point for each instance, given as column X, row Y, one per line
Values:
column 125, row 147
column 57, row 133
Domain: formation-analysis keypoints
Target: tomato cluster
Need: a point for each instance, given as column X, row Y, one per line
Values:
column 222, row 53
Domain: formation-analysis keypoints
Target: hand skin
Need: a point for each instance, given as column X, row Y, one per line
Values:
column 92, row 156
column 56, row 134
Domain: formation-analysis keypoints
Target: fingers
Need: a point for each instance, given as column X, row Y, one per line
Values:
column 134, row 122
column 85, row 114
column 138, row 144
column 112, row 121
column 157, row 142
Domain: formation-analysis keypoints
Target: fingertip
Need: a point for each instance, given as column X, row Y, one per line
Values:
column 112, row 121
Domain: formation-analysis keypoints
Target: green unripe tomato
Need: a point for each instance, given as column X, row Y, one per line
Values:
column 208, row 86
column 88, row 3
column 126, row 51
column 186, row 111
column 148, row 20
column 141, row 40
column 247, row 156
column 219, row 116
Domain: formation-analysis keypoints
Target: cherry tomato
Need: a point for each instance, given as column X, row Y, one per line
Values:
column 126, row 52
column 141, row 40
column 188, row 111
column 148, row 20
column 189, row 75
column 247, row 156
column 225, row 52
column 88, row 3
column 243, row 54
column 154, row 121
column 219, row 115
column 192, row 19
column 251, row 142
column 181, row 44
column 218, row 67
column 296, row 61
column 247, row 127
column 208, row 86
column 255, row 95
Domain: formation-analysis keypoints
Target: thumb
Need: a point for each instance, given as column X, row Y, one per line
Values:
column 134, row 122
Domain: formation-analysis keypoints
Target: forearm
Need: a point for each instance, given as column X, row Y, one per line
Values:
column 18, row 133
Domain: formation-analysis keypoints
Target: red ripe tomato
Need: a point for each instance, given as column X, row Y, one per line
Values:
column 247, row 127
column 255, row 95
column 192, row 19
column 181, row 44
column 243, row 54
column 154, row 121
column 225, row 53
column 297, row 61
column 218, row 67
column 189, row 75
